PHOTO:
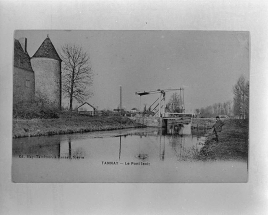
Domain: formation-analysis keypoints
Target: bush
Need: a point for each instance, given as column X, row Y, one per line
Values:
column 34, row 109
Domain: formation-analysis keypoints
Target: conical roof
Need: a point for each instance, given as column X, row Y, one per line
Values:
column 21, row 58
column 47, row 50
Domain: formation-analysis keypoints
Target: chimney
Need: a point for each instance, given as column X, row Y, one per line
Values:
column 120, row 98
column 23, row 43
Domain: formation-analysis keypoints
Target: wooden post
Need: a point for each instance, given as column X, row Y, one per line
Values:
column 120, row 100
column 160, row 104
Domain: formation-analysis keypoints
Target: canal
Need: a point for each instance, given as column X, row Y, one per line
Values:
column 129, row 155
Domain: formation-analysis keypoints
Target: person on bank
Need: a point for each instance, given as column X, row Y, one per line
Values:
column 217, row 127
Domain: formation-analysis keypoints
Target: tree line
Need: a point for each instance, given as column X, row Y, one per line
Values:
column 241, row 98
column 216, row 109
column 238, row 107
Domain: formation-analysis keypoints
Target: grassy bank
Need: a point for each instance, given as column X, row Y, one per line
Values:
column 203, row 122
column 67, row 124
column 233, row 142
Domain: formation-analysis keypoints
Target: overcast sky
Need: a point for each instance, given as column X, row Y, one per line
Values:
column 206, row 64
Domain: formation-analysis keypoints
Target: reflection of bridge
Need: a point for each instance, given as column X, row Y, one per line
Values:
column 180, row 122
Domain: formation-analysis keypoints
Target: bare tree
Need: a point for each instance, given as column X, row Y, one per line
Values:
column 241, row 98
column 77, row 74
column 215, row 109
column 175, row 103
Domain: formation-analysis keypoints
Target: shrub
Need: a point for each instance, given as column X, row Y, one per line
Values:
column 34, row 109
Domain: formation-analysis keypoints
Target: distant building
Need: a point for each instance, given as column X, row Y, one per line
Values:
column 37, row 76
column 23, row 74
column 119, row 110
column 134, row 110
column 46, row 64
column 86, row 108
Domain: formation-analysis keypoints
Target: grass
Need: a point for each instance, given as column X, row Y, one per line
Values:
column 38, row 108
column 69, row 123
column 203, row 122
column 233, row 142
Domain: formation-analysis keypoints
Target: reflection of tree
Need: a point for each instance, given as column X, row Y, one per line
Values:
column 120, row 148
column 70, row 147
column 74, row 153
column 142, row 156
column 78, row 152
column 36, row 146
column 182, row 152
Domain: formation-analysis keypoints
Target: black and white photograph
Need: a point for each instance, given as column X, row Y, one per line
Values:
column 133, row 107
column 130, row 106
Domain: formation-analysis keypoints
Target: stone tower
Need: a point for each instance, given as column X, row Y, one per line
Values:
column 23, row 74
column 46, row 64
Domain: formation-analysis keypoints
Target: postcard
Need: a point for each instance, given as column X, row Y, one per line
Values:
column 130, row 106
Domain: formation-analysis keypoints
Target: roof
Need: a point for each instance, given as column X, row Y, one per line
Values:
column 87, row 104
column 21, row 58
column 47, row 50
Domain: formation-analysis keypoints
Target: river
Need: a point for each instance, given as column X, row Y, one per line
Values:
column 129, row 155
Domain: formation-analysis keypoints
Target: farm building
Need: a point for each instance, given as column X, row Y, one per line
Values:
column 87, row 109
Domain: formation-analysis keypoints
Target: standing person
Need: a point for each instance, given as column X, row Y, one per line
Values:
column 217, row 127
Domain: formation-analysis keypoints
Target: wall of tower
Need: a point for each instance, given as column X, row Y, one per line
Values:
column 47, row 80
column 23, row 85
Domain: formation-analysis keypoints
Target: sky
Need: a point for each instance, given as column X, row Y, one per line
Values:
column 207, row 64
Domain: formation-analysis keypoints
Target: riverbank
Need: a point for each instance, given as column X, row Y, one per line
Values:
column 203, row 123
column 68, row 124
column 233, row 142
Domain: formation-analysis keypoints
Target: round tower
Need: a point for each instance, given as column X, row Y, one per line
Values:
column 46, row 64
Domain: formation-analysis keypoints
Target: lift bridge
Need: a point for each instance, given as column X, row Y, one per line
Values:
column 174, row 121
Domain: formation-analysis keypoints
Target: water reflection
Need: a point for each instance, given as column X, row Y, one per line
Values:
column 40, row 147
column 142, row 156
column 70, row 146
column 162, row 149
column 138, row 155
column 120, row 148
column 37, row 146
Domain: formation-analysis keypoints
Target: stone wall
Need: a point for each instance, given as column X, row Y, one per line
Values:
column 47, row 79
column 23, row 85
